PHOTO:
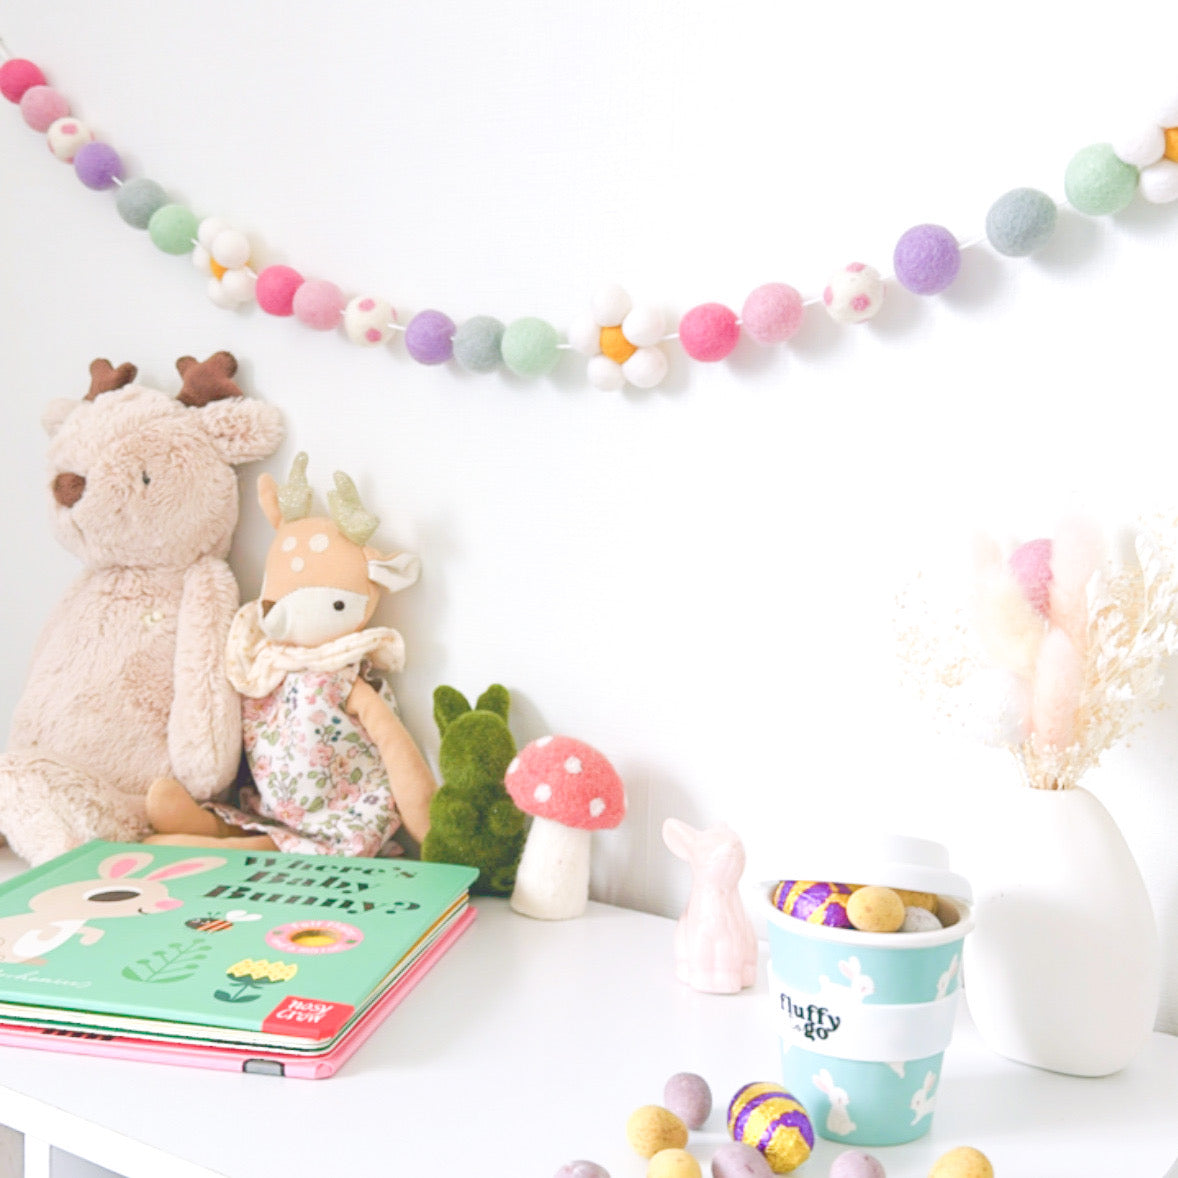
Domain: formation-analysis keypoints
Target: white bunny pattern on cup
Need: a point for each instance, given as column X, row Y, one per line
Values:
column 838, row 1120
column 924, row 1098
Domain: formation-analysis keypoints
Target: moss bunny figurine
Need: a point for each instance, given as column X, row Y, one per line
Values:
column 127, row 681
column 334, row 770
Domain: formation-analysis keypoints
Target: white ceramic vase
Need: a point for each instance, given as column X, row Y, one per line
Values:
column 1063, row 969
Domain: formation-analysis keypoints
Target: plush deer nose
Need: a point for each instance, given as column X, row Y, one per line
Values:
column 68, row 488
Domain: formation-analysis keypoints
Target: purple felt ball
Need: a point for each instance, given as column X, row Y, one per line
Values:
column 737, row 1160
column 856, row 1164
column 98, row 165
column 927, row 259
column 689, row 1098
column 429, row 337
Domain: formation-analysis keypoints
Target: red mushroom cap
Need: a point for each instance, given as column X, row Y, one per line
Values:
column 566, row 781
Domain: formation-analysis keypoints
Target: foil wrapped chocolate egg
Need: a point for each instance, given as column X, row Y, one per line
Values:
column 814, row 901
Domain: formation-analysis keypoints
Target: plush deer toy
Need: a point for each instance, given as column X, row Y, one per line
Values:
column 127, row 681
column 335, row 771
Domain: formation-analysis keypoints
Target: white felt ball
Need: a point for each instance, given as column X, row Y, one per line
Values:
column 646, row 368
column 1158, row 183
column 644, row 326
column 219, row 295
column 611, row 304
column 66, row 135
column 230, row 248
column 1141, row 147
column 367, row 320
column 585, row 335
column 994, row 705
column 207, row 230
column 605, row 374
column 1167, row 113
column 238, row 285
column 201, row 258
column 854, row 294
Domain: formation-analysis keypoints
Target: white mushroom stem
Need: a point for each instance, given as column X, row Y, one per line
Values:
column 552, row 882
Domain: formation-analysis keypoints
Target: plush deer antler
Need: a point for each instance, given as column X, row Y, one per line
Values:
column 294, row 496
column 105, row 377
column 348, row 513
column 207, row 380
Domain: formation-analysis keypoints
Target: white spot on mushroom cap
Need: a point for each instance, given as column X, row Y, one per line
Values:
column 597, row 807
column 513, row 766
column 573, row 765
column 542, row 792
column 542, row 742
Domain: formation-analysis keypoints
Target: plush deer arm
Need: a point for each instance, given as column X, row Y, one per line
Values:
column 412, row 782
column 204, row 725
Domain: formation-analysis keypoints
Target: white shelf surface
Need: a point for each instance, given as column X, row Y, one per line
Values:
column 529, row 1045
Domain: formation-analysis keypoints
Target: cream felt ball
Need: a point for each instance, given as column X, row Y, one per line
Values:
column 237, row 286
column 1020, row 222
column 230, row 248
column 41, row 106
column 66, row 136
column 1096, row 182
column 644, row 326
column 772, row 313
column 138, row 200
column 926, row 259
column 854, row 294
column 709, row 332
column 1159, row 182
column 611, row 304
column 368, row 320
column 1141, row 147
column 605, row 374
column 17, row 75
column 646, row 368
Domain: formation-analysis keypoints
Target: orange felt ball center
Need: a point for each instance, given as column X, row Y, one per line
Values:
column 615, row 345
column 217, row 269
column 1171, row 152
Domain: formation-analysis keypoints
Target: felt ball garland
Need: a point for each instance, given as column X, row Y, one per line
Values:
column 623, row 342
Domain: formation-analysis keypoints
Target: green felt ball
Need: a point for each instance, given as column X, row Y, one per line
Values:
column 476, row 344
column 138, row 200
column 530, row 347
column 1020, row 222
column 1097, row 182
column 173, row 228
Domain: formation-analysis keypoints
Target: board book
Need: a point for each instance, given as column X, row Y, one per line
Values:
column 197, row 952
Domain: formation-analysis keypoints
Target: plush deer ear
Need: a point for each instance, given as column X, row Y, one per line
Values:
column 241, row 429
column 56, row 412
column 393, row 572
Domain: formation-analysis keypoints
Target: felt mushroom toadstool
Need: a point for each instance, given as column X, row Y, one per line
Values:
column 571, row 790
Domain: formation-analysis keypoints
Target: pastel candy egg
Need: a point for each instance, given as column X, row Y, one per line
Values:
column 771, row 1120
column 581, row 1169
column 875, row 910
column 65, row 136
column 917, row 899
column 734, row 1159
column 854, row 294
column 962, row 1162
column 813, row 901
column 368, row 320
column 673, row 1163
column 652, row 1128
column 854, row 1163
column 919, row 920
column 689, row 1098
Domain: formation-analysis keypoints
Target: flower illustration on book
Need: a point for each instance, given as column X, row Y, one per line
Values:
column 253, row 977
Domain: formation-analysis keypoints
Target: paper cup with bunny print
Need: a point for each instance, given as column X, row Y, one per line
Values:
column 864, row 1018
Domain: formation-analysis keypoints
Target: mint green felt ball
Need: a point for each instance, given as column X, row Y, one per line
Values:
column 530, row 347
column 172, row 229
column 1097, row 182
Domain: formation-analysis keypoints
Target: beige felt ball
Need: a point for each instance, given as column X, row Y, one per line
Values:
column 673, row 1163
column 962, row 1162
column 875, row 910
column 917, row 899
column 652, row 1128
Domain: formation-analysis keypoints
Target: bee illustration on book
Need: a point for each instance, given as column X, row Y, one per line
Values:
column 215, row 923
column 60, row 913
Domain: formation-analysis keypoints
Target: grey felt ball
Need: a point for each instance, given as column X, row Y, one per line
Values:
column 138, row 200
column 1020, row 222
column 476, row 344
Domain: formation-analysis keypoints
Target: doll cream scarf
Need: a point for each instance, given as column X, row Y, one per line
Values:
column 256, row 664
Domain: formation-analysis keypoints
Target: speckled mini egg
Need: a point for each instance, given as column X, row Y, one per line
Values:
column 673, row 1163
column 814, row 901
column 65, row 136
column 876, row 910
column 962, row 1162
column 854, row 1163
column 689, row 1098
column 734, row 1159
column 919, row 920
column 771, row 1120
column 581, row 1169
column 854, row 294
column 652, row 1128
column 367, row 320
column 917, row 899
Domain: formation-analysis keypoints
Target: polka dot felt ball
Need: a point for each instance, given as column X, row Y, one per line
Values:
column 772, row 313
column 65, row 137
column 428, row 337
column 18, row 75
column 1097, row 183
column 769, row 1119
column 98, row 166
column 138, row 200
column 530, row 347
column 709, row 332
column 1020, row 222
column 318, row 304
column 927, row 259
column 854, row 294
column 275, row 289
column 367, row 320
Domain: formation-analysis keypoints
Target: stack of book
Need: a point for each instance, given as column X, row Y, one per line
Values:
column 254, row 961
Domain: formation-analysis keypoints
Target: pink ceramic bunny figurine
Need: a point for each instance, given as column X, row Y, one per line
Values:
column 715, row 946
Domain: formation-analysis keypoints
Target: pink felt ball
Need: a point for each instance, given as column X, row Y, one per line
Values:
column 18, row 75
column 709, row 332
column 275, row 289
column 1031, row 565
column 772, row 313
column 318, row 304
column 42, row 106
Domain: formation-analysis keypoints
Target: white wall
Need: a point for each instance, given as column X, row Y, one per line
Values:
column 698, row 579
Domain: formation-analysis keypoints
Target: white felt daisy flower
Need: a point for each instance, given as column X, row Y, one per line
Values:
column 223, row 253
column 621, row 341
column 1154, row 149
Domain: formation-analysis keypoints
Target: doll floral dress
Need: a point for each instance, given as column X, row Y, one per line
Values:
column 319, row 784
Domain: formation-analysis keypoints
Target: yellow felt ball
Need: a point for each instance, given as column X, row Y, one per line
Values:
column 962, row 1162
column 917, row 899
column 652, row 1128
column 673, row 1163
column 1171, row 152
column 615, row 345
column 875, row 910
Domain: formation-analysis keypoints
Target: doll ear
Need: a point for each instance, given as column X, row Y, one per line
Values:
column 393, row 572
column 56, row 412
